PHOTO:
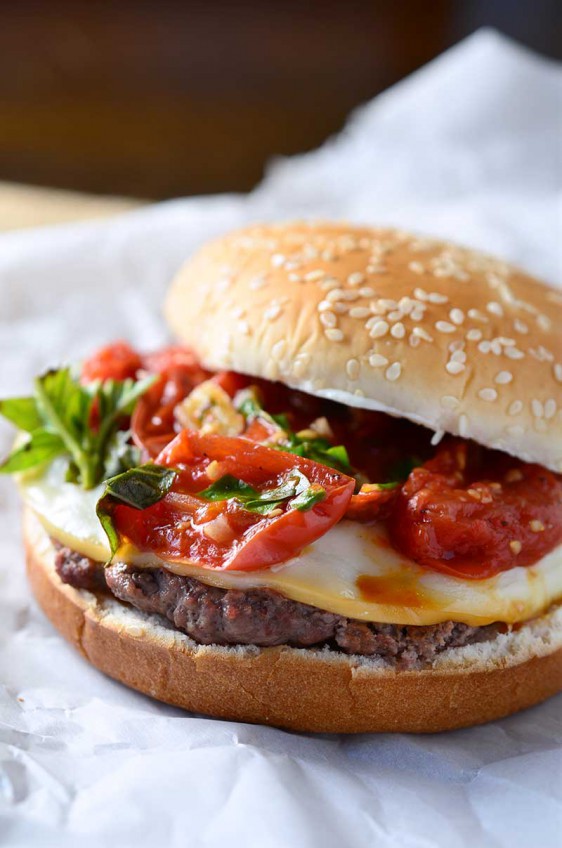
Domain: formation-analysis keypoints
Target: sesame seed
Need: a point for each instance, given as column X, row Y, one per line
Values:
column 515, row 408
column 544, row 322
column 324, row 305
column 376, row 360
column 520, row 326
column 335, row 294
column 549, row 408
column 495, row 308
column 476, row 315
column 416, row 267
column 340, row 308
column 328, row 319
column 515, row 546
column 351, row 295
column 422, row 334
column 356, row 278
column 420, row 294
column 513, row 353
column 455, row 367
column 506, row 341
column 406, row 304
column 536, row 526
column 474, row 335
column 395, row 315
column 435, row 297
column 359, row 312
column 352, row 369
column 317, row 274
column 393, row 372
column 558, row 371
column 456, row 316
column 334, row 334
column 398, row 331
column 503, row 377
column 495, row 347
column 444, row 327
column 449, row 401
column 437, row 437
column 277, row 260
column 278, row 350
column 388, row 304
column 463, row 426
column 537, row 408
column 295, row 278
column 458, row 356
column 414, row 341
column 379, row 329
column 416, row 314
column 272, row 312
column 488, row 394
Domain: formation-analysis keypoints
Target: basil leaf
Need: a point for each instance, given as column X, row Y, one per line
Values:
column 309, row 498
column 228, row 487
column 22, row 412
column 41, row 447
column 402, row 468
column 138, row 488
column 264, row 502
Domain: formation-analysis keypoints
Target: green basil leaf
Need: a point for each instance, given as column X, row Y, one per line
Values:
column 402, row 468
column 261, row 502
column 138, row 488
column 41, row 447
column 309, row 498
column 22, row 412
column 228, row 487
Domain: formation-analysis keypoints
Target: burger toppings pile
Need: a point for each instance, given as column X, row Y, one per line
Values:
column 240, row 473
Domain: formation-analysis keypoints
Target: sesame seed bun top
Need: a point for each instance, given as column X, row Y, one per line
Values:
column 377, row 318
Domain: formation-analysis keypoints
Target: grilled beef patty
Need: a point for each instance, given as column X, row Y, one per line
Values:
column 263, row 617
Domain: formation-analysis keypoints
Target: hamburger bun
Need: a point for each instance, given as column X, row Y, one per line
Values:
column 298, row 689
column 444, row 336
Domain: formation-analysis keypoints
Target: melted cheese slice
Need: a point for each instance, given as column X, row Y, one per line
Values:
column 352, row 570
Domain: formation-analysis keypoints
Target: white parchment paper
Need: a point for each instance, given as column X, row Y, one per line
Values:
column 469, row 147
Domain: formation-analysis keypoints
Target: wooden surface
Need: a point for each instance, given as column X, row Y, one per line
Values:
column 27, row 206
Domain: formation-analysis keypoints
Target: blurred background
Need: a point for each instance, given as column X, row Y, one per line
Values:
column 153, row 99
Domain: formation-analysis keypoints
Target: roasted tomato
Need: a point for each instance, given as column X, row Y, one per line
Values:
column 153, row 422
column 474, row 513
column 223, row 534
column 371, row 503
column 117, row 361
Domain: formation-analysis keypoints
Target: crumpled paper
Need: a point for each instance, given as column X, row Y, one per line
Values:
column 467, row 148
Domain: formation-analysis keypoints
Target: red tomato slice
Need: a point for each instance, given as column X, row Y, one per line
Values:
column 117, row 361
column 222, row 534
column 452, row 517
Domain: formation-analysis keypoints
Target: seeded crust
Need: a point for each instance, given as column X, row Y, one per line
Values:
column 376, row 318
column 299, row 689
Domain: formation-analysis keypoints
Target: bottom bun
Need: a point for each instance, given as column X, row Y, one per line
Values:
column 299, row 689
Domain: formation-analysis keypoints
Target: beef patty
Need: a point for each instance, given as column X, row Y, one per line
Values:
column 263, row 617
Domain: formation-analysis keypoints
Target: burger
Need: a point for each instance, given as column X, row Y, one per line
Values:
column 335, row 505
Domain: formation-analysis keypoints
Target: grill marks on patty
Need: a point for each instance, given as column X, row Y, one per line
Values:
column 261, row 617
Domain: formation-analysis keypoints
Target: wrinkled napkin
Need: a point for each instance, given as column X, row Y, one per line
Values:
column 469, row 148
